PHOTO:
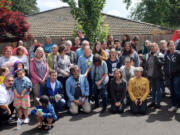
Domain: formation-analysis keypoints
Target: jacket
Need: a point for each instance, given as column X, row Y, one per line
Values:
column 47, row 90
column 172, row 64
column 70, row 88
column 157, row 66
column 118, row 92
column 34, row 76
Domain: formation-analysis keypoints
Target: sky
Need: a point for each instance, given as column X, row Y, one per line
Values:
column 112, row 7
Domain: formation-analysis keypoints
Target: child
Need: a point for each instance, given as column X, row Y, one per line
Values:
column 53, row 89
column 45, row 113
column 22, row 86
column 3, row 72
column 19, row 65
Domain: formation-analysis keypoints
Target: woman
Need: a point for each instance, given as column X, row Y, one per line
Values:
column 127, row 69
column 112, row 63
column 20, row 54
column 7, row 60
column 52, row 57
column 125, row 39
column 130, row 52
column 100, row 51
column 118, row 91
column 20, row 43
column 39, row 72
column 62, row 66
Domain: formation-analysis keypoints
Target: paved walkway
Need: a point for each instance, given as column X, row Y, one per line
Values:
column 157, row 122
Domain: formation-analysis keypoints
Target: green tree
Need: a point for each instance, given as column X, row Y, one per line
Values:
column 88, row 15
column 27, row 7
column 159, row 12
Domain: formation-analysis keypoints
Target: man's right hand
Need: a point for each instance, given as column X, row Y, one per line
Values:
column 77, row 102
column 9, row 112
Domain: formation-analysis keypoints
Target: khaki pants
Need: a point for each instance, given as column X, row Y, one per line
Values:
column 74, row 109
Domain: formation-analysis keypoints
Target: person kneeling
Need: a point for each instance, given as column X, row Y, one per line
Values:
column 77, row 89
column 45, row 113
column 138, row 90
column 54, row 90
column 118, row 92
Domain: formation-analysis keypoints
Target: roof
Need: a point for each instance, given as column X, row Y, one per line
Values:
column 59, row 22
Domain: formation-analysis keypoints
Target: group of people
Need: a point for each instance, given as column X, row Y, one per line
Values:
column 73, row 76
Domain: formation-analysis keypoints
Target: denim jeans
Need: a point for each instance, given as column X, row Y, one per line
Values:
column 174, row 86
column 156, row 90
column 60, row 105
column 103, row 93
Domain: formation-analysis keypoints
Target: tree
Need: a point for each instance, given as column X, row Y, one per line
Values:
column 88, row 15
column 159, row 12
column 13, row 25
column 27, row 7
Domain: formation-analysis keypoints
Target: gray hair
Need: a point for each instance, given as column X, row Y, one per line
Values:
column 40, row 49
column 85, row 42
column 55, row 46
column 68, row 42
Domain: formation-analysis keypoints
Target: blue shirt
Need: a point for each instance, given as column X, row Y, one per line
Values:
column 48, row 48
column 84, row 62
column 70, row 88
column 21, row 84
column 48, row 112
column 79, row 52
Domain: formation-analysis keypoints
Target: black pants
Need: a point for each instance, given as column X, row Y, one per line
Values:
column 63, row 82
column 4, row 113
column 139, row 109
column 115, row 109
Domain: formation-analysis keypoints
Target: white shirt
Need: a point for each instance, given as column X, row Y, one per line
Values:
column 53, row 85
column 6, row 96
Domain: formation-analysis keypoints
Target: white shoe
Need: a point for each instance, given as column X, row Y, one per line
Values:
column 178, row 111
column 26, row 120
column 172, row 109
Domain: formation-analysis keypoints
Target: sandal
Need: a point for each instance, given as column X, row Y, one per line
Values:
column 48, row 127
column 40, row 126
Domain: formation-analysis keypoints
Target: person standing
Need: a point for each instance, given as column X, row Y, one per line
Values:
column 172, row 72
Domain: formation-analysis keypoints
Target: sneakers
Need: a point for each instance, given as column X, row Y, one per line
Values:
column 26, row 120
column 172, row 109
column 178, row 111
column 151, row 105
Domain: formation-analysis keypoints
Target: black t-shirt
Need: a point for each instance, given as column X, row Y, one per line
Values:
column 77, row 93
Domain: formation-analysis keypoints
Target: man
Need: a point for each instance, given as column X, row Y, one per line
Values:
column 100, row 78
column 154, row 72
column 6, row 99
column 71, row 54
column 77, row 89
column 81, row 36
column 138, row 91
column 163, row 47
column 80, row 51
column 134, row 42
column 84, row 63
column 48, row 45
column 172, row 72
column 76, row 44
column 54, row 90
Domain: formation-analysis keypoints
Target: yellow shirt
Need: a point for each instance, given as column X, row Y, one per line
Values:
column 1, row 79
column 138, row 88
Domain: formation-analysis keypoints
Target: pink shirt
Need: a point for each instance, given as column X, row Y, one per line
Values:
column 25, row 50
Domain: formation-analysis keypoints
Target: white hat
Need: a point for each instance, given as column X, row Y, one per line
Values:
column 138, row 69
